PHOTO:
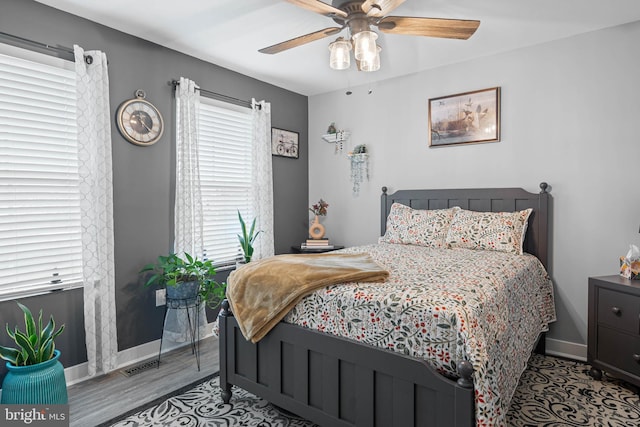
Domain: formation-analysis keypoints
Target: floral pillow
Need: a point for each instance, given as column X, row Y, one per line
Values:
column 493, row 231
column 418, row 227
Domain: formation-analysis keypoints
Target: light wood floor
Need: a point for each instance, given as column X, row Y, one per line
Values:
column 98, row 400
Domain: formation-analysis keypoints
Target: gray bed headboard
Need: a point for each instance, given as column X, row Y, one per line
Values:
column 483, row 200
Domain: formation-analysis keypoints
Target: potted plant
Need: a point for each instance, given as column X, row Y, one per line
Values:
column 247, row 238
column 35, row 375
column 186, row 278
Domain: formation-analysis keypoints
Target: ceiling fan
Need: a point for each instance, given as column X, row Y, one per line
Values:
column 359, row 17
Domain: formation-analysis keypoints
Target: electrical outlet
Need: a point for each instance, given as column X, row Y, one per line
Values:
column 161, row 297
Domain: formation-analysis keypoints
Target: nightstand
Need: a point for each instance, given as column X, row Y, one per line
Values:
column 298, row 250
column 614, row 328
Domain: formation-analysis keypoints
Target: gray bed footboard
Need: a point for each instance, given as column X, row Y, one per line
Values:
column 333, row 381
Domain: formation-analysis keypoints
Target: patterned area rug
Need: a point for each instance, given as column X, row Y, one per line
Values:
column 556, row 392
column 552, row 393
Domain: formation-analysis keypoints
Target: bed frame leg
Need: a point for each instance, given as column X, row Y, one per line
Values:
column 465, row 370
column 226, row 392
column 541, row 345
column 225, row 312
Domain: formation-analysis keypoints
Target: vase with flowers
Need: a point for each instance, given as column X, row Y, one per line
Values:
column 316, row 230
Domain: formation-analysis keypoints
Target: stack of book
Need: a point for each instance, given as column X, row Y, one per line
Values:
column 311, row 244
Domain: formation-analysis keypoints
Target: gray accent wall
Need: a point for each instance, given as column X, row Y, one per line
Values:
column 144, row 176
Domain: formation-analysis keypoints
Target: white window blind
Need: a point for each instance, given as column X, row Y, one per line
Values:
column 40, row 243
column 225, row 177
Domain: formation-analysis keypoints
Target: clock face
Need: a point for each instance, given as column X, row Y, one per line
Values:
column 140, row 122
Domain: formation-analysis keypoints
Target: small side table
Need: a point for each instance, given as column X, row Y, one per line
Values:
column 299, row 250
column 613, row 342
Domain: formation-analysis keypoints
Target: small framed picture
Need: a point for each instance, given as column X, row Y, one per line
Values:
column 284, row 143
column 463, row 118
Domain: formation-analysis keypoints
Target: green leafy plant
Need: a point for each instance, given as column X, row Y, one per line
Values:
column 35, row 345
column 212, row 292
column 173, row 270
column 247, row 238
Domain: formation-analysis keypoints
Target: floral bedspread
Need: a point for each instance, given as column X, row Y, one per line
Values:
column 445, row 305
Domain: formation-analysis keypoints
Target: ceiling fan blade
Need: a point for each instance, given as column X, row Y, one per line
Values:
column 430, row 27
column 299, row 41
column 320, row 7
column 379, row 8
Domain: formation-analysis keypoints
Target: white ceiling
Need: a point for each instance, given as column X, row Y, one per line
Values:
column 230, row 32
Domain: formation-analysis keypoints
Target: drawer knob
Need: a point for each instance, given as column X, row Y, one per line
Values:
column 636, row 357
column 616, row 311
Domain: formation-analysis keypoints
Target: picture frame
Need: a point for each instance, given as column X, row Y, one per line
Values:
column 284, row 143
column 465, row 118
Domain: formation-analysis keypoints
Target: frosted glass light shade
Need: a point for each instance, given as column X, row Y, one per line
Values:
column 373, row 64
column 365, row 45
column 340, row 58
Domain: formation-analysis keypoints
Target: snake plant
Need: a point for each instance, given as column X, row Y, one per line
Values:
column 35, row 344
column 247, row 238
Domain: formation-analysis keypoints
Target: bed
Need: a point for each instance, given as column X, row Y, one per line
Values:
column 337, row 381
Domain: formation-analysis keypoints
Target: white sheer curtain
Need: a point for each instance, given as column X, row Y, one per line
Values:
column 188, row 204
column 262, row 178
column 96, row 204
column 188, row 234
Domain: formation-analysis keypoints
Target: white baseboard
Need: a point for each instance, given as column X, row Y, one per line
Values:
column 77, row 373
column 566, row 349
column 130, row 356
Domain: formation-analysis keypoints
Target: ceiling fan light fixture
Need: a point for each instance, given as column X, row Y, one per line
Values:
column 359, row 17
column 373, row 64
column 365, row 45
column 340, row 59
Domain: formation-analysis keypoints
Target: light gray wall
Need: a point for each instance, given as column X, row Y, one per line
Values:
column 570, row 113
column 144, row 176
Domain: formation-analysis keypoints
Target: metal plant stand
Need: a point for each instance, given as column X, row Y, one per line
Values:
column 194, row 330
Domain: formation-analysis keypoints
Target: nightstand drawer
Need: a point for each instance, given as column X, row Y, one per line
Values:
column 619, row 349
column 619, row 310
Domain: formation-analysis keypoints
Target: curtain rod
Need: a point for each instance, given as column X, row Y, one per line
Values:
column 218, row 96
column 62, row 51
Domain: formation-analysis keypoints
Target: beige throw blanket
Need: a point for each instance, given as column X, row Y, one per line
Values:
column 262, row 292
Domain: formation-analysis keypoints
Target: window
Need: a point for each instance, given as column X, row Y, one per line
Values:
column 40, row 242
column 225, row 176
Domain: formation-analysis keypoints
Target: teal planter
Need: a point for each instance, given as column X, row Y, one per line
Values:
column 41, row 384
